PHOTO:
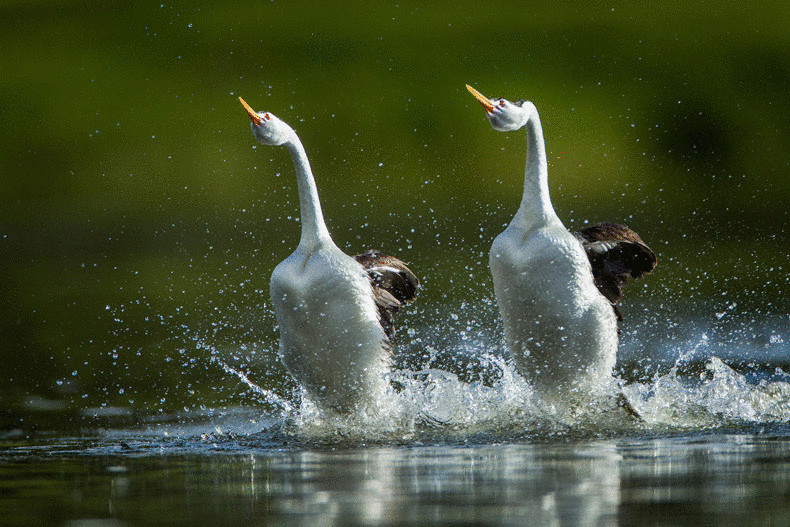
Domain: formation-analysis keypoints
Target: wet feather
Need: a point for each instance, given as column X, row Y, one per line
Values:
column 394, row 285
column 616, row 254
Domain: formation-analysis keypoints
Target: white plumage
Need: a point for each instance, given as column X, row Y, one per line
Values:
column 333, row 333
column 331, row 340
column 560, row 330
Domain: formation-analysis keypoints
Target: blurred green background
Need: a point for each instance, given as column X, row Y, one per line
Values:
column 139, row 222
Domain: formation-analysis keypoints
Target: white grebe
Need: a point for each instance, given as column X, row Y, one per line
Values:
column 557, row 290
column 334, row 311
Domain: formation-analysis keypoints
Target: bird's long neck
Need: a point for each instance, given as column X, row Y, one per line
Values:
column 314, row 230
column 536, row 210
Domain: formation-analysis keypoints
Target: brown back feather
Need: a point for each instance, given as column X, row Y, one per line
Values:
column 616, row 254
column 394, row 285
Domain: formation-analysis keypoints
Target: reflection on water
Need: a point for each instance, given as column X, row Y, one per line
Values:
column 699, row 479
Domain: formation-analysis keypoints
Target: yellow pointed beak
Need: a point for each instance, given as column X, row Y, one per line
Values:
column 253, row 116
column 482, row 99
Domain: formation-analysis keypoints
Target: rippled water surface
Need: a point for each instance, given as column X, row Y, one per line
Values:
column 736, row 477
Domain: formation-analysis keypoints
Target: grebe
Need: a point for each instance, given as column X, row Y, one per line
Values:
column 334, row 311
column 556, row 290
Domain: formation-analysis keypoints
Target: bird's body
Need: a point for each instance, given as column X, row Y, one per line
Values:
column 334, row 330
column 331, row 340
column 560, row 329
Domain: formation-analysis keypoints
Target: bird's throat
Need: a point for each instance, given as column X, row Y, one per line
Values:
column 314, row 230
column 536, row 209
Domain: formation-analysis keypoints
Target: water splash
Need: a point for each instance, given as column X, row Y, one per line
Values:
column 455, row 384
column 718, row 396
column 268, row 395
column 436, row 404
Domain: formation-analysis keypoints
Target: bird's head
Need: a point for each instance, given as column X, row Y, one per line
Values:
column 504, row 116
column 266, row 127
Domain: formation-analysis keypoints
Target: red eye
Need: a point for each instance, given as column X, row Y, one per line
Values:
column 266, row 117
column 501, row 104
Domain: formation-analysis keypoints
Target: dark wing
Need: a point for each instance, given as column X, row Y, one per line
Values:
column 616, row 254
column 394, row 285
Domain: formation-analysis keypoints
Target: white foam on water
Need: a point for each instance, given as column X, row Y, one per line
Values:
column 436, row 404
column 462, row 387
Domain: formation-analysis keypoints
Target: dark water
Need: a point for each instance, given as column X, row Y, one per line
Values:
column 702, row 478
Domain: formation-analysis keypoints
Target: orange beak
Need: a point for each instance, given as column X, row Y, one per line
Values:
column 482, row 99
column 253, row 116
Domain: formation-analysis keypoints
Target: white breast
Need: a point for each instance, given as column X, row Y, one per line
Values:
column 330, row 337
column 561, row 332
